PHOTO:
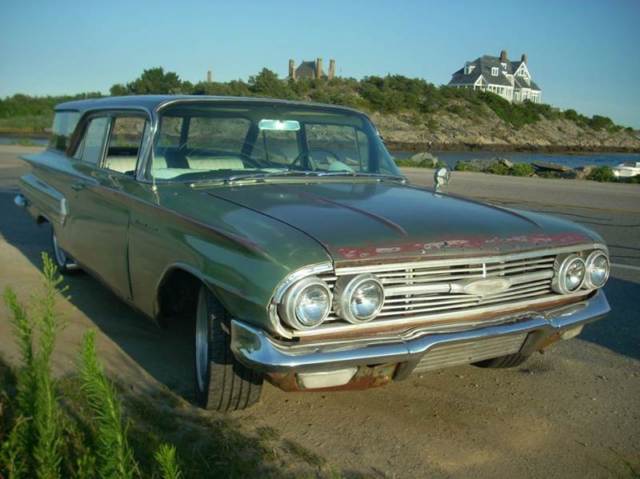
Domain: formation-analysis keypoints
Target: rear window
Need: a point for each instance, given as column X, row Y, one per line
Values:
column 64, row 122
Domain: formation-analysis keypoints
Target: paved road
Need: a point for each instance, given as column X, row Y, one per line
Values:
column 572, row 412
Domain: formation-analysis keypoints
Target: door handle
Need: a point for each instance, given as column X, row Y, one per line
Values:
column 79, row 185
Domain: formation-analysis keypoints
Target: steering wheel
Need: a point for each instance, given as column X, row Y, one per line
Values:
column 314, row 163
column 298, row 161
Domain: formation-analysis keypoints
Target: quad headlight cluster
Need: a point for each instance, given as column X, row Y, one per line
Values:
column 308, row 302
column 573, row 272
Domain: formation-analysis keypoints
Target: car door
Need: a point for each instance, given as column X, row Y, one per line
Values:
column 106, row 161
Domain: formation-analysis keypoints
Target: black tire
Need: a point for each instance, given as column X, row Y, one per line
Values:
column 65, row 263
column 508, row 361
column 225, row 385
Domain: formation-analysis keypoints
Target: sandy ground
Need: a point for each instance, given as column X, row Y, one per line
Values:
column 572, row 412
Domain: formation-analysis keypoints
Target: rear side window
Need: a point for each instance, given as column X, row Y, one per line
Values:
column 90, row 149
column 124, row 144
column 64, row 122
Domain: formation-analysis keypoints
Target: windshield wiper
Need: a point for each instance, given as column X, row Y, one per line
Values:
column 288, row 173
column 359, row 174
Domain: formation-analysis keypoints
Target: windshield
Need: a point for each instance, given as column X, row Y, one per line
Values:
column 202, row 141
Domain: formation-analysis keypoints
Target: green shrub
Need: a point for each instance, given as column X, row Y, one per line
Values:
column 166, row 459
column 602, row 174
column 498, row 169
column 522, row 169
column 466, row 166
column 34, row 444
column 409, row 163
column 114, row 456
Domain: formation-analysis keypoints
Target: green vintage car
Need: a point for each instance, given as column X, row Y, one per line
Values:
column 286, row 236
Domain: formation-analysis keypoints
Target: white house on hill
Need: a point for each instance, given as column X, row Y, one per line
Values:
column 511, row 80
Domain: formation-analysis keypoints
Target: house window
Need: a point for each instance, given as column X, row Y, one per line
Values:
column 468, row 69
column 494, row 71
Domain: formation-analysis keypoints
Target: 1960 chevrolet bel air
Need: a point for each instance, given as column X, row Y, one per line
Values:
column 285, row 235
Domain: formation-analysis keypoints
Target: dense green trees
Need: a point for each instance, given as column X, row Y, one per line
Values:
column 389, row 94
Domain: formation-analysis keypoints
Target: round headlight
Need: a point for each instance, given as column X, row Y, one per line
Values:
column 306, row 304
column 361, row 298
column 570, row 275
column 597, row 269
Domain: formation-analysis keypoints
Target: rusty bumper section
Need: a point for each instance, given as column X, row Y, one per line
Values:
column 283, row 362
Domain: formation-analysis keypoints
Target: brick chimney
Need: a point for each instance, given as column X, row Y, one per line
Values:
column 503, row 56
column 292, row 69
column 318, row 68
column 523, row 58
column 332, row 69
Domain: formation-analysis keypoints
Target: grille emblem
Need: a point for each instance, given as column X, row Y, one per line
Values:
column 484, row 287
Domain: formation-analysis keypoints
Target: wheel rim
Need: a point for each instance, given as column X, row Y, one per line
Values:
column 202, row 340
column 61, row 257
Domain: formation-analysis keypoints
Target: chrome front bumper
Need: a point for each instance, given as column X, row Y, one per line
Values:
column 257, row 350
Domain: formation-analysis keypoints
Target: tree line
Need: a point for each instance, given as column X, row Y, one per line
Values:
column 389, row 94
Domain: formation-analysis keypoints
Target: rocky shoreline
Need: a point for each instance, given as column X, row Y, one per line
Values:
column 506, row 167
column 444, row 131
column 502, row 147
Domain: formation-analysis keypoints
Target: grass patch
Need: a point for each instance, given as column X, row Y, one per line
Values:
column 84, row 425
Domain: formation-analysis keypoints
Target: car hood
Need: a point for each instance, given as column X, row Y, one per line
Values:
column 376, row 220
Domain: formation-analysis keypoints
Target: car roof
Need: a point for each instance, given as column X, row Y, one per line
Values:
column 154, row 102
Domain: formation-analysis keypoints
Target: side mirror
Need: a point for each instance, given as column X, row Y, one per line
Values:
column 441, row 178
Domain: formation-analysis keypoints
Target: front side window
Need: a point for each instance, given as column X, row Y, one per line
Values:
column 124, row 144
column 217, row 140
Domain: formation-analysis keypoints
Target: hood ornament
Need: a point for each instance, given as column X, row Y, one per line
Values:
column 441, row 178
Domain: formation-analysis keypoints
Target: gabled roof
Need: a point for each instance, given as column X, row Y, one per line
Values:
column 483, row 65
column 521, row 83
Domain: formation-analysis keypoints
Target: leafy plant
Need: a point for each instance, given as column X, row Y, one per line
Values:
column 602, row 174
column 166, row 458
column 522, row 169
column 114, row 456
column 34, row 446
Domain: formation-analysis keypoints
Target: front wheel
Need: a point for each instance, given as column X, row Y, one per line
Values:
column 508, row 361
column 222, row 383
column 65, row 263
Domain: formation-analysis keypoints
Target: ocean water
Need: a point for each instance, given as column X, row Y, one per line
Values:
column 571, row 160
column 452, row 157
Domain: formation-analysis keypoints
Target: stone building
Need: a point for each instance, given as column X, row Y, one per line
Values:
column 311, row 69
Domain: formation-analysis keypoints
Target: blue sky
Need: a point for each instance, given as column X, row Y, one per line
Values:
column 583, row 53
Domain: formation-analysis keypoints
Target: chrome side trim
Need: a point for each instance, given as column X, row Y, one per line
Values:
column 257, row 350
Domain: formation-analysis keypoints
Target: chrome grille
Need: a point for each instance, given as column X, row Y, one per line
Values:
column 469, row 352
column 432, row 287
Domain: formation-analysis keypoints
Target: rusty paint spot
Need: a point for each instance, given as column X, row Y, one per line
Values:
column 472, row 243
